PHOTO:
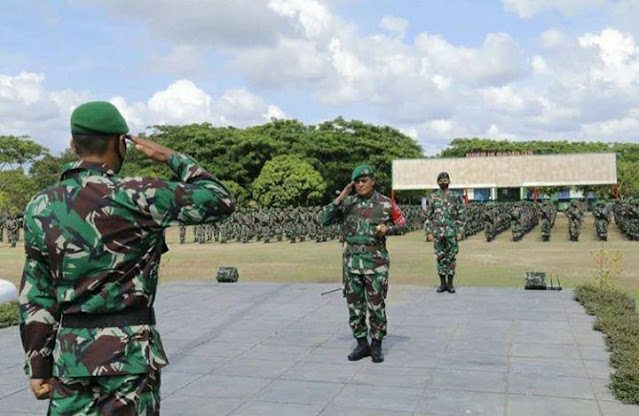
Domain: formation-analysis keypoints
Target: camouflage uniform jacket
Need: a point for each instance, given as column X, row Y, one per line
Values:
column 574, row 214
column 361, row 215
column 445, row 215
column 93, row 244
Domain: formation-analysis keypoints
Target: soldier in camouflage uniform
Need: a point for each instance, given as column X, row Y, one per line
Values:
column 575, row 217
column 367, row 217
column 13, row 230
column 445, row 217
column 602, row 217
column 547, row 213
column 93, row 243
column 182, row 234
column 517, row 227
column 3, row 224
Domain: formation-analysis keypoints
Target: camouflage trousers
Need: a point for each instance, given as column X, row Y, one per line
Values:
column 446, row 249
column 13, row 238
column 602, row 228
column 489, row 231
column 127, row 395
column 365, row 289
column 518, row 232
column 574, row 229
column 546, row 228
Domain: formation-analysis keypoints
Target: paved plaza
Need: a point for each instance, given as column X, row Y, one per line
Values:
column 279, row 349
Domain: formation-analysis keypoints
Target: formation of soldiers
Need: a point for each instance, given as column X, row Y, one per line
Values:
column 11, row 223
column 302, row 223
column 525, row 217
column 496, row 219
column 626, row 216
column 273, row 224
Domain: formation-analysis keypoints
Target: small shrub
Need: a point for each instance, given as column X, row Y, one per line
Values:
column 617, row 319
column 8, row 314
column 609, row 267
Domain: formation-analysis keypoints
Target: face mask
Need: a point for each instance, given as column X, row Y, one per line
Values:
column 443, row 186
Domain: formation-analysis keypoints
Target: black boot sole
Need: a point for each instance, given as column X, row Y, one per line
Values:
column 357, row 358
column 377, row 360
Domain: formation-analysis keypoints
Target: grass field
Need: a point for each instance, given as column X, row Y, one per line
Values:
column 499, row 263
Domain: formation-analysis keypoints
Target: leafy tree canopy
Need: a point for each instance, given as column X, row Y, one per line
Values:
column 16, row 151
column 288, row 180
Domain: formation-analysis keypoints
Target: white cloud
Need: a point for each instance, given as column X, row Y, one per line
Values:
column 625, row 129
column 529, row 8
column 571, row 86
column 182, row 60
column 313, row 18
column 28, row 108
column 181, row 102
column 499, row 60
column 395, row 25
column 619, row 57
column 206, row 23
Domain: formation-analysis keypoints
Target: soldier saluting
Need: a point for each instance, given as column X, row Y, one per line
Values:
column 367, row 218
column 445, row 216
column 93, row 243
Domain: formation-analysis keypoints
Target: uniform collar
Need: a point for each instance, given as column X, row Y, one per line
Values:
column 84, row 165
column 366, row 198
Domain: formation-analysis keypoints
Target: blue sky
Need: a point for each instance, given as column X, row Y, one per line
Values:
column 515, row 69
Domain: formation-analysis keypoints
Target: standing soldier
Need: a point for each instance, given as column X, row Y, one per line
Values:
column 93, row 244
column 368, row 217
column 182, row 234
column 546, row 212
column 13, row 230
column 575, row 217
column 517, row 227
column 3, row 225
column 602, row 218
column 444, row 225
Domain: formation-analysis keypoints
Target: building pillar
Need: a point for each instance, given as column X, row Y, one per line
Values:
column 493, row 194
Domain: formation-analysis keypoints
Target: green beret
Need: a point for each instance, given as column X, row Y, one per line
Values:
column 98, row 117
column 362, row 170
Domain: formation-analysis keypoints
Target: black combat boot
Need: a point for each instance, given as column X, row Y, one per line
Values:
column 449, row 285
column 442, row 286
column 376, row 351
column 362, row 350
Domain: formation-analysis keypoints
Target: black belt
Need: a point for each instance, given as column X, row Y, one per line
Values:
column 129, row 317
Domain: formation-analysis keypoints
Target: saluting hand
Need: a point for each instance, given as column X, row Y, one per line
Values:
column 152, row 150
column 345, row 192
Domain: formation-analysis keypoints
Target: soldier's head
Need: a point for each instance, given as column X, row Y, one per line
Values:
column 574, row 203
column 443, row 180
column 98, row 134
column 364, row 178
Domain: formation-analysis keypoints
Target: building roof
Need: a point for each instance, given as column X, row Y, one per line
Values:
column 508, row 171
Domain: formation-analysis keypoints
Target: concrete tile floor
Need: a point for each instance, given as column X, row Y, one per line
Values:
column 280, row 349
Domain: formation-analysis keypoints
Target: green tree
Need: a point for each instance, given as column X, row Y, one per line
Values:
column 288, row 180
column 46, row 171
column 16, row 190
column 16, row 151
column 628, row 176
